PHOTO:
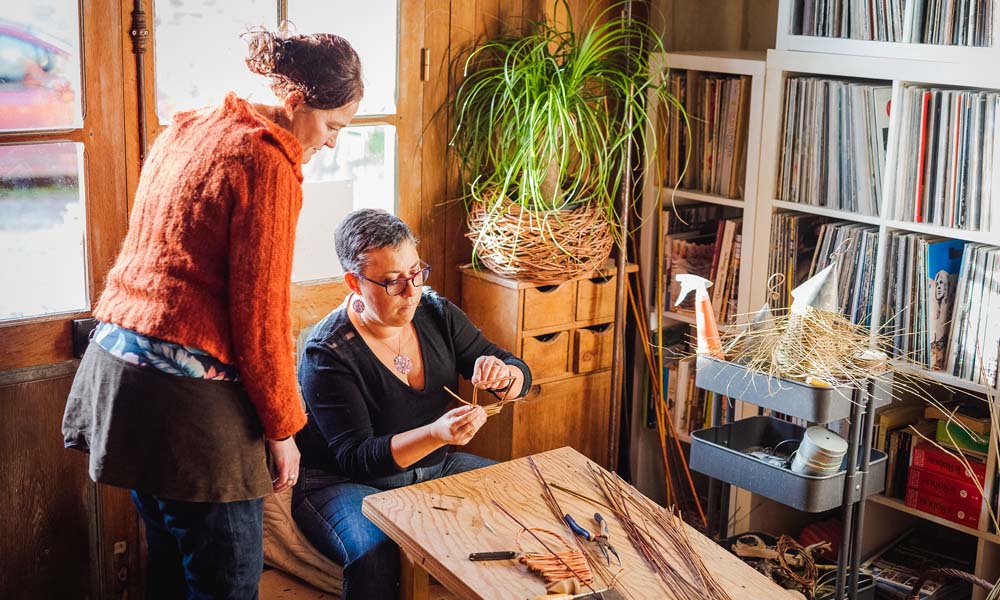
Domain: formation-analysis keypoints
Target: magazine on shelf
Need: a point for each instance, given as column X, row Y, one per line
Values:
column 897, row 567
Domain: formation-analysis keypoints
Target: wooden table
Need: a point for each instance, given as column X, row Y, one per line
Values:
column 438, row 542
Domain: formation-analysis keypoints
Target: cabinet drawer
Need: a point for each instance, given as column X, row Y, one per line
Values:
column 549, row 305
column 547, row 355
column 595, row 298
column 593, row 348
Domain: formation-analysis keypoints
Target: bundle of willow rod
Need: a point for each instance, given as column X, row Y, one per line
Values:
column 584, row 575
column 696, row 581
column 664, row 421
column 596, row 565
column 491, row 409
column 561, row 564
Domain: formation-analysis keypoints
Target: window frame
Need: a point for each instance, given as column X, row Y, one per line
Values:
column 46, row 339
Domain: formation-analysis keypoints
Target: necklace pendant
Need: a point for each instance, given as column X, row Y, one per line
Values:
column 403, row 364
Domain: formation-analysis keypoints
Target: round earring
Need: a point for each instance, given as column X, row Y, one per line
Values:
column 358, row 305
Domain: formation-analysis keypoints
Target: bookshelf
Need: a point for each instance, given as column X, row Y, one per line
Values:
column 659, row 195
column 788, row 39
column 837, row 58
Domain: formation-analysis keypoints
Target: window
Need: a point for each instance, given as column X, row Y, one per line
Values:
column 42, row 193
column 361, row 171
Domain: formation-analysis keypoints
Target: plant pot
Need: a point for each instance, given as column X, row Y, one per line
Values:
column 539, row 246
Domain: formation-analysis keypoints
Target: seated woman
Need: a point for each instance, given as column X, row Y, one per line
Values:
column 373, row 377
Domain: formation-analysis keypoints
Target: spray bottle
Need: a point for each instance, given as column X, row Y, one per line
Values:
column 708, row 331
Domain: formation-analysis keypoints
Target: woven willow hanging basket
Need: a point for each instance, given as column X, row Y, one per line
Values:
column 539, row 246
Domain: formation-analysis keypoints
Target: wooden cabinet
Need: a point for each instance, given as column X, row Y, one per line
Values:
column 564, row 333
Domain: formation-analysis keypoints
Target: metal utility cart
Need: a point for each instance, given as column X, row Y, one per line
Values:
column 719, row 452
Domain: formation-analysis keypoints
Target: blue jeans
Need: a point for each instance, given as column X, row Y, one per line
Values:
column 327, row 510
column 202, row 550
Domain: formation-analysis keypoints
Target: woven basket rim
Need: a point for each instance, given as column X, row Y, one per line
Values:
column 547, row 246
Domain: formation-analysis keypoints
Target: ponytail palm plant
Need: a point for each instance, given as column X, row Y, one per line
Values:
column 544, row 120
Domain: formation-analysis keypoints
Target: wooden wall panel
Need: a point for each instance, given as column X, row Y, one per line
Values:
column 48, row 523
column 715, row 24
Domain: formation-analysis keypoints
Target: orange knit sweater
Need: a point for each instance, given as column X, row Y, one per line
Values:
column 207, row 259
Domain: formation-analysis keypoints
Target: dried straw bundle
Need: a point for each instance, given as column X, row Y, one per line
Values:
column 539, row 246
column 815, row 345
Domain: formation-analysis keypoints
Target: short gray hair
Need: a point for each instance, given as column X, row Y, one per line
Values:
column 365, row 230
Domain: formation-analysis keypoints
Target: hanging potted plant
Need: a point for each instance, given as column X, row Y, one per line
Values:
column 541, row 129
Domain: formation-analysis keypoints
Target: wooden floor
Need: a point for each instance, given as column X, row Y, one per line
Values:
column 278, row 585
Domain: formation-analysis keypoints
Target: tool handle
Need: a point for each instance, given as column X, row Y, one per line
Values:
column 502, row 555
column 602, row 523
column 580, row 531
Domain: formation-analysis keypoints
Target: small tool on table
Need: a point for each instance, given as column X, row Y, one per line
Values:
column 500, row 555
column 601, row 539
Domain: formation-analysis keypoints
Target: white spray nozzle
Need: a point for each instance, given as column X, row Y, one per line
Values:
column 691, row 283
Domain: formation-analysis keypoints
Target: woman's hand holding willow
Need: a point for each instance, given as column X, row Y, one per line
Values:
column 458, row 426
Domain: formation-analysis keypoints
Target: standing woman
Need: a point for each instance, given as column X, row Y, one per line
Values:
column 191, row 373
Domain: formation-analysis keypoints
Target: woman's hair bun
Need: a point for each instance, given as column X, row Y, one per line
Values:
column 323, row 67
column 265, row 51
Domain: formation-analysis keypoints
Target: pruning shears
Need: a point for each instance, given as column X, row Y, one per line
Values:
column 601, row 539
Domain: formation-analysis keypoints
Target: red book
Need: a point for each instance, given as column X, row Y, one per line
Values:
column 926, row 456
column 962, row 492
column 942, row 508
column 921, row 153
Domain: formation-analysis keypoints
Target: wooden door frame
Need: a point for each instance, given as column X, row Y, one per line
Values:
column 43, row 340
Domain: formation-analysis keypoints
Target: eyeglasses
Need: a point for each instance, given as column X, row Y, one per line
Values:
column 396, row 287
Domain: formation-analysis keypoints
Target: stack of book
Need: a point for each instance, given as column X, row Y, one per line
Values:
column 921, row 282
column 725, row 269
column 974, row 348
column 795, row 238
column 939, row 484
column 880, row 20
column 948, row 144
column 708, row 151
column 897, row 427
column 835, row 136
column 956, row 22
column 898, row 566
column 700, row 240
column 690, row 407
column 854, row 245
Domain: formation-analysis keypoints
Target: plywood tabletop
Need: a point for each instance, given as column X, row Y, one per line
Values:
column 439, row 522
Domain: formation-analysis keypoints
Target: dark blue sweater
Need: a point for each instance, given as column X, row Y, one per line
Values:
column 355, row 404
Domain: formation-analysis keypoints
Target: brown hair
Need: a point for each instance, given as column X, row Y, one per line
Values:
column 324, row 67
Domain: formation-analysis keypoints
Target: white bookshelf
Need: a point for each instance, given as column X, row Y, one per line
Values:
column 786, row 40
column 890, row 516
column 647, row 458
column 657, row 197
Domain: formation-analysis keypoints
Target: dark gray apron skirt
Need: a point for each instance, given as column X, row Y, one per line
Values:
column 171, row 436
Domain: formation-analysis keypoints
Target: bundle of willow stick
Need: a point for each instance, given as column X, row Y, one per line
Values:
column 596, row 562
column 694, row 581
column 562, row 564
column 491, row 409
